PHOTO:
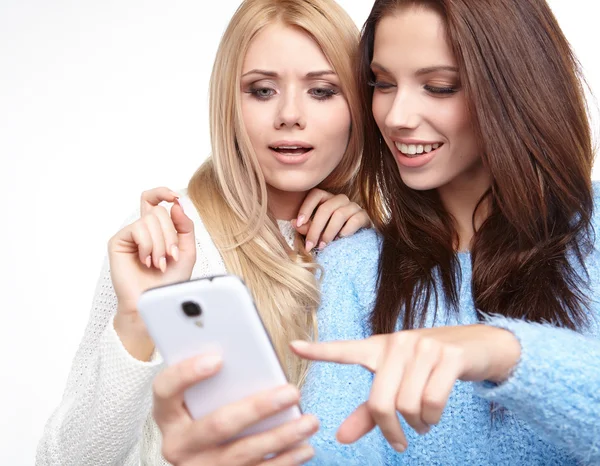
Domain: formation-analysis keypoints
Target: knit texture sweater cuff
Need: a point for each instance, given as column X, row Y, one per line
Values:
column 555, row 387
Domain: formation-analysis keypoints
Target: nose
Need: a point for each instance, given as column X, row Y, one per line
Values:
column 404, row 112
column 290, row 112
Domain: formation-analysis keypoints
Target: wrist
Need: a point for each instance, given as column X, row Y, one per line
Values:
column 506, row 355
column 133, row 335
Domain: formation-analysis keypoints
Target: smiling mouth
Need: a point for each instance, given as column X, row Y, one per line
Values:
column 415, row 150
column 290, row 150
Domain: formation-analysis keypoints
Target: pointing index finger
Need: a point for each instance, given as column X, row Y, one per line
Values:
column 363, row 352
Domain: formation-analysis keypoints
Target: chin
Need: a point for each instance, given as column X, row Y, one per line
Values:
column 420, row 183
column 294, row 184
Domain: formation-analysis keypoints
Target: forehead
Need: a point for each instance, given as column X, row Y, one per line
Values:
column 278, row 47
column 414, row 37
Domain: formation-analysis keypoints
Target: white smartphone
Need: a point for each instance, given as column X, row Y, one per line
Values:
column 216, row 314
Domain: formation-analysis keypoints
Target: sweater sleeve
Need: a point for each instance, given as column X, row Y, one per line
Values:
column 106, row 405
column 555, row 387
column 107, row 399
column 333, row 391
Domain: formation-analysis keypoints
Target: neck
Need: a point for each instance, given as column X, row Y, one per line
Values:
column 284, row 205
column 461, row 197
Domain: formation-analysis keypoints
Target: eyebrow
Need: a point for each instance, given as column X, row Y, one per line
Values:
column 273, row 74
column 421, row 71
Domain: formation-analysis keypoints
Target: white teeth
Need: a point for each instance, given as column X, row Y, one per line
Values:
column 415, row 149
column 289, row 147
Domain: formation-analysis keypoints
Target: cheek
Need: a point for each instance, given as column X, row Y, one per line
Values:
column 255, row 117
column 333, row 123
column 454, row 118
column 377, row 107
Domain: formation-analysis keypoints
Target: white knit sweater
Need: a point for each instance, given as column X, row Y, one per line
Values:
column 105, row 416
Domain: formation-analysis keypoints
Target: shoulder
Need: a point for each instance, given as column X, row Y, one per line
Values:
column 596, row 212
column 361, row 248
column 350, row 270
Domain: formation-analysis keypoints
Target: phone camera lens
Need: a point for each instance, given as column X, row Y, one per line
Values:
column 191, row 309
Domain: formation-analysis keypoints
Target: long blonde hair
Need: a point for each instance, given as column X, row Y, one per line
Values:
column 230, row 192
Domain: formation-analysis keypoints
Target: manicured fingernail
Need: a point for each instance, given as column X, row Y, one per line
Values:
column 207, row 363
column 174, row 194
column 149, row 261
column 424, row 430
column 162, row 264
column 322, row 245
column 399, row 447
column 309, row 245
column 306, row 426
column 300, row 221
column 299, row 344
column 175, row 252
column 303, row 455
column 285, row 397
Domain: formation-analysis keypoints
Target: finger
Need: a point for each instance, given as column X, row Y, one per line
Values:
column 185, row 229
column 255, row 448
column 312, row 200
column 384, row 390
column 153, row 197
column 303, row 230
column 359, row 220
column 137, row 236
column 298, row 455
column 321, row 218
column 440, row 385
column 158, row 242
column 168, row 230
column 338, row 220
column 418, row 370
column 230, row 420
column 364, row 352
column 359, row 423
column 182, row 223
column 169, row 385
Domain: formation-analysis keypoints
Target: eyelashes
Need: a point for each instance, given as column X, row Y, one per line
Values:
column 436, row 90
column 318, row 93
column 440, row 90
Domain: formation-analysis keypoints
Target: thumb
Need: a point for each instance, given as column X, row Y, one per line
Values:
column 183, row 224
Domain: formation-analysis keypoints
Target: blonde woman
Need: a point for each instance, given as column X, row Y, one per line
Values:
column 286, row 140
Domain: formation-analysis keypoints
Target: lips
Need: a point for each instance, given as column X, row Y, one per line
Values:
column 291, row 149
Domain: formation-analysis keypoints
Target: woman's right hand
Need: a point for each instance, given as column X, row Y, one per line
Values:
column 188, row 442
column 157, row 249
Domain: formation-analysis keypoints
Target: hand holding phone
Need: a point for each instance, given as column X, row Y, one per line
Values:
column 208, row 440
column 224, row 394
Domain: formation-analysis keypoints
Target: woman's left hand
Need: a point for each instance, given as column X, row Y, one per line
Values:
column 324, row 216
column 415, row 371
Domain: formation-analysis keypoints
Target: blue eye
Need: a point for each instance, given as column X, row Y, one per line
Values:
column 261, row 93
column 322, row 93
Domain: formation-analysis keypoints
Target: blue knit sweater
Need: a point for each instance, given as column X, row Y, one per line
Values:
column 551, row 401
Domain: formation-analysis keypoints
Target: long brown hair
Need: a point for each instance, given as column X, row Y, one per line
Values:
column 525, row 94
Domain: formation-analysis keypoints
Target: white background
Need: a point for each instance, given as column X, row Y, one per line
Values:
column 100, row 100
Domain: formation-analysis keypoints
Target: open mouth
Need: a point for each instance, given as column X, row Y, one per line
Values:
column 415, row 150
column 291, row 150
